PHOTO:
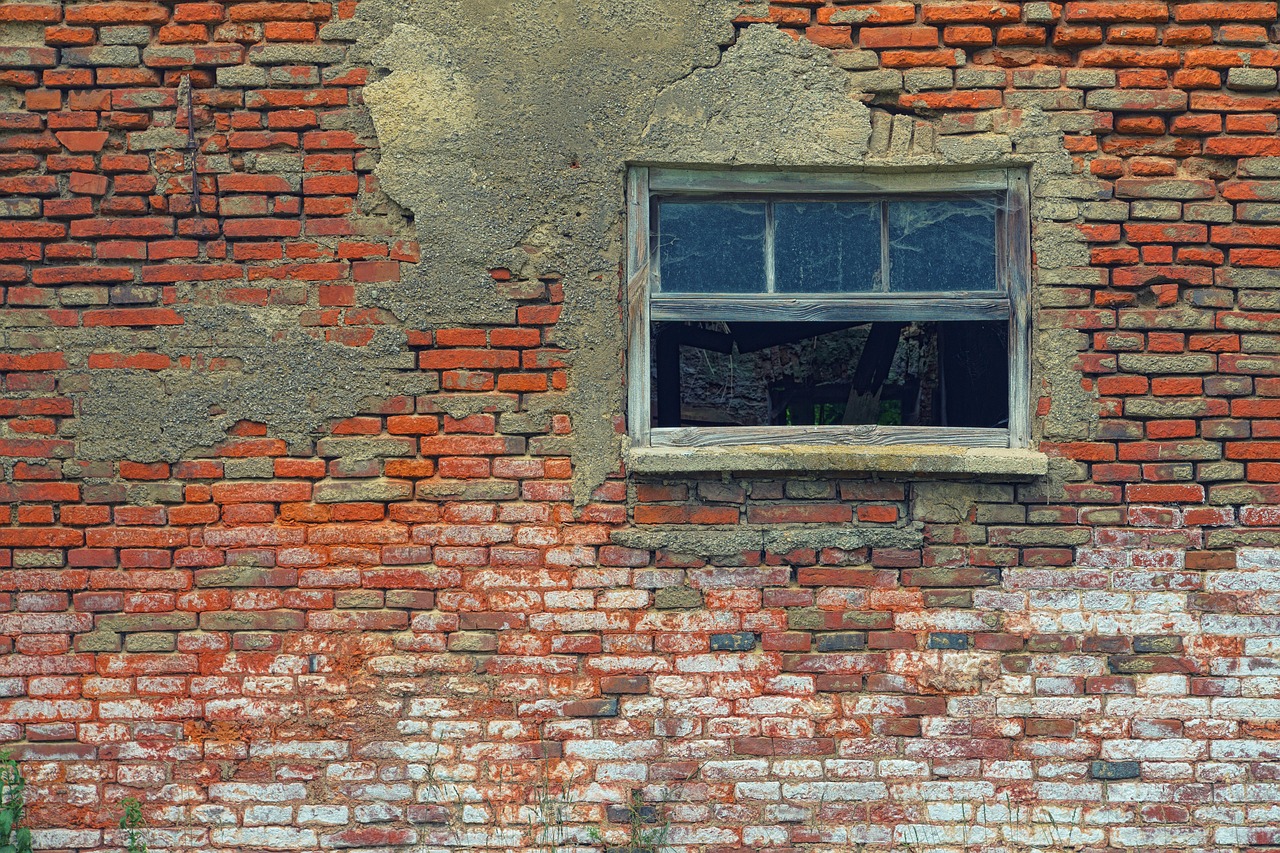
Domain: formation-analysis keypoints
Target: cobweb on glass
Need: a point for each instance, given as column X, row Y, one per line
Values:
column 942, row 245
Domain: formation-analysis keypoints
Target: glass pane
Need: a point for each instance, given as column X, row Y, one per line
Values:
column 942, row 245
column 800, row 374
column 711, row 247
column 827, row 246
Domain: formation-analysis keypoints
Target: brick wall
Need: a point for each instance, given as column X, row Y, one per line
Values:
column 403, row 633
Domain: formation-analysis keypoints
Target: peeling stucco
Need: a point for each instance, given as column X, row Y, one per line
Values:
column 504, row 132
column 509, row 146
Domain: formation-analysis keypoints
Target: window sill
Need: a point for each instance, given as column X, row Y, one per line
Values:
column 916, row 460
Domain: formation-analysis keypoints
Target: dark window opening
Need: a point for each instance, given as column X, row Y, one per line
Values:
column 817, row 308
column 953, row 373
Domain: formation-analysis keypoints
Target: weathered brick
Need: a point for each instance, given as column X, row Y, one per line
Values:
column 284, row 542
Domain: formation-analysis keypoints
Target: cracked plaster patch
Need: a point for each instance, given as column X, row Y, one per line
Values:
column 509, row 145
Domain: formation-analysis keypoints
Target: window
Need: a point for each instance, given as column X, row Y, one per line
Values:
column 817, row 308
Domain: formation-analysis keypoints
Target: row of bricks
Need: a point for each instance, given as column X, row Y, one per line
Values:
column 1106, row 56
column 103, row 14
column 837, row 672
column 228, row 49
column 263, row 610
column 1132, row 384
column 1233, row 364
column 1169, row 234
column 235, row 502
column 535, row 632
column 399, row 422
column 1205, row 122
column 1176, row 342
column 1192, row 232
column 446, row 630
column 1152, row 489
column 254, row 493
column 250, row 439
column 302, row 78
column 245, row 448
column 48, row 692
column 1079, row 11
column 199, row 687
column 45, row 276
column 208, row 105
column 1195, row 386
column 506, row 587
column 340, row 184
column 1165, row 255
column 353, row 251
column 1243, row 258
column 357, row 330
column 1145, row 330
column 113, row 163
column 830, row 33
column 947, row 565
column 165, row 227
column 177, row 33
column 1085, row 80
column 366, row 264
column 1190, row 124
column 132, row 197
column 159, row 139
column 1145, row 415
column 437, row 628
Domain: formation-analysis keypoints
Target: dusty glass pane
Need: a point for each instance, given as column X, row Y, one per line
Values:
column 799, row 374
column 827, row 246
column 711, row 247
column 942, row 245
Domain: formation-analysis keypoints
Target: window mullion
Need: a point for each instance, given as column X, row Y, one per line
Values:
column 770, row 262
column 883, row 284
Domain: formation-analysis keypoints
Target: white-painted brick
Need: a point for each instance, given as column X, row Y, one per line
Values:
column 270, row 838
column 252, row 792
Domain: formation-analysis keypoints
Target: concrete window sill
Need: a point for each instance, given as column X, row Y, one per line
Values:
column 913, row 460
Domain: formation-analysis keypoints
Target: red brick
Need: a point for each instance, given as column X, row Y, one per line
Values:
column 968, row 36
column 1116, row 11
column 896, row 37
column 132, row 317
column 801, row 513
column 970, row 13
column 1212, row 11
column 467, row 358
column 281, row 12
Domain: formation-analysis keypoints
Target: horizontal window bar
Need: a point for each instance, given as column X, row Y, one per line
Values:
column 747, row 308
column 864, row 434
column 854, row 183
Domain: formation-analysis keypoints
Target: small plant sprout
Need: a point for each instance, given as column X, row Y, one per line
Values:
column 132, row 822
column 13, row 838
column 644, row 833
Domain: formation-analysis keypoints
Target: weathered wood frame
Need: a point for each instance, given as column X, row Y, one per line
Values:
column 1010, row 300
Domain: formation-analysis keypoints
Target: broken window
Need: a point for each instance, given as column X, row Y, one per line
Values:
column 771, row 308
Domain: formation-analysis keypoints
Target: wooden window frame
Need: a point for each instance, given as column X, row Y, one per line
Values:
column 1010, row 300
